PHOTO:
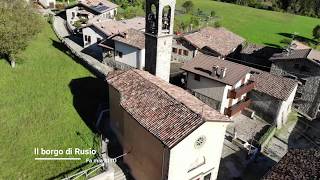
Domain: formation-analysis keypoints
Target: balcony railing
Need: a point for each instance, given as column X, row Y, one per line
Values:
column 236, row 93
column 238, row 107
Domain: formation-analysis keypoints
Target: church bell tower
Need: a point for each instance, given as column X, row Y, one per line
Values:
column 158, row 35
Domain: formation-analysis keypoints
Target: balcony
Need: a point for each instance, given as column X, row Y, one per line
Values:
column 241, row 105
column 236, row 93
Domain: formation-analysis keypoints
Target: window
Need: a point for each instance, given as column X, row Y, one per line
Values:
column 180, row 51
column 197, row 77
column 174, row 50
column 118, row 53
column 89, row 39
column 98, row 40
column 73, row 15
column 85, row 37
column 207, row 177
column 296, row 66
column 185, row 52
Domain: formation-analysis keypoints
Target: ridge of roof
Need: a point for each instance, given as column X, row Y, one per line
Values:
column 202, row 64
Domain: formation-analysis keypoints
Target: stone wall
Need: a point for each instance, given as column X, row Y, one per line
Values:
column 309, row 89
column 265, row 106
column 183, row 46
column 210, row 102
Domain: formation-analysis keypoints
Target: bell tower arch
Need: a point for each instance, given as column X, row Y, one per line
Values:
column 159, row 34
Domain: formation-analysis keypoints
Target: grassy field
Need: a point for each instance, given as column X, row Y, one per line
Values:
column 259, row 26
column 38, row 109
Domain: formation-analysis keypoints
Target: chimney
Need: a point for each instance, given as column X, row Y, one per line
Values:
column 223, row 72
column 214, row 70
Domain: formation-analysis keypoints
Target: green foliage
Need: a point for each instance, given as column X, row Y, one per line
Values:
column 212, row 13
column 286, row 41
column 217, row 24
column 255, row 25
column 303, row 7
column 188, row 6
column 18, row 25
column 29, row 116
column 316, row 32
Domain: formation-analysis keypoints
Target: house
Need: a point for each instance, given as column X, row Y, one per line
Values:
column 219, row 83
column 167, row 132
column 85, row 10
column 129, row 50
column 48, row 3
column 304, row 66
column 254, row 55
column 182, row 50
column 272, row 97
column 104, row 30
column 296, row 164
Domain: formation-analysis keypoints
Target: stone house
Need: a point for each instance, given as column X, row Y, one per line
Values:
column 272, row 97
column 254, row 55
column 182, row 50
column 86, row 10
column 166, row 131
column 218, row 42
column 219, row 83
column 304, row 66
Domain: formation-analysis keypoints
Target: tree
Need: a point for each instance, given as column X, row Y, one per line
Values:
column 316, row 32
column 18, row 25
column 188, row 6
column 212, row 13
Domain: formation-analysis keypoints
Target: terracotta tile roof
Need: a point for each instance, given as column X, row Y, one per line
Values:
column 133, row 38
column 135, row 23
column 202, row 64
column 100, row 6
column 112, row 27
column 296, row 164
column 220, row 39
column 294, row 54
column 273, row 85
column 167, row 111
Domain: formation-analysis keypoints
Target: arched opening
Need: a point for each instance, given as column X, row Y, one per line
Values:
column 166, row 19
column 152, row 19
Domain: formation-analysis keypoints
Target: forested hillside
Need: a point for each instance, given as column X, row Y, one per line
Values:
column 302, row 7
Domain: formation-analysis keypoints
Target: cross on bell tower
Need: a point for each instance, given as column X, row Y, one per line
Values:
column 158, row 35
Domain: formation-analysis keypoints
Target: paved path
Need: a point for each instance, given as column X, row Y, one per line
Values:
column 63, row 34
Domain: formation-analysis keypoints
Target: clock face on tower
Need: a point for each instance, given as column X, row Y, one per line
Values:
column 200, row 142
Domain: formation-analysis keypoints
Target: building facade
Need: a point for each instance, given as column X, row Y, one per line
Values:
column 304, row 66
column 219, row 83
column 87, row 10
column 272, row 97
column 182, row 51
column 176, row 128
column 128, row 52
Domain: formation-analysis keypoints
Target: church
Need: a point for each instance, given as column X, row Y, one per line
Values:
column 165, row 132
